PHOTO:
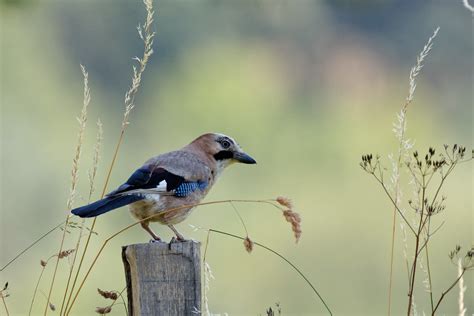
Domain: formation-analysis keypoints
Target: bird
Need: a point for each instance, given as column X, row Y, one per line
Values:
column 167, row 187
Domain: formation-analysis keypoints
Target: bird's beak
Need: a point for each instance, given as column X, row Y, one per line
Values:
column 244, row 158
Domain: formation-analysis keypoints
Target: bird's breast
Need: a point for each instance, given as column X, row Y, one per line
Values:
column 166, row 209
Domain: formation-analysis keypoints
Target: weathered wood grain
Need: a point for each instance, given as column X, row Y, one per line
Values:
column 163, row 279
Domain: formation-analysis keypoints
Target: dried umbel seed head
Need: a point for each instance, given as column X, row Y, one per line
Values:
column 431, row 151
column 284, row 201
column 295, row 220
column 52, row 307
column 108, row 294
column 103, row 310
column 454, row 252
column 470, row 253
column 43, row 263
column 65, row 253
column 248, row 244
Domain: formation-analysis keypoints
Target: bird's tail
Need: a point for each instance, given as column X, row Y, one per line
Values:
column 105, row 205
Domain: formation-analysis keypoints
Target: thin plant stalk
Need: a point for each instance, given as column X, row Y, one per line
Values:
column 301, row 274
column 428, row 269
column 95, row 218
column 74, row 174
column 240, row 218
column 417, row 245
column 147, row 37
column 462, row 289
column 5, row 305
column 36, row 290
column 38, row 283
column 447, row 291
column 92, row 175
column 400, row 131
column 31, row 245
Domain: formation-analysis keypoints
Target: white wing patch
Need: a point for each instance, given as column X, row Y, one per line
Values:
column 152, row 194
column 162, row 186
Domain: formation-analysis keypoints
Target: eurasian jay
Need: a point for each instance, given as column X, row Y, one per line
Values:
column 170, row 181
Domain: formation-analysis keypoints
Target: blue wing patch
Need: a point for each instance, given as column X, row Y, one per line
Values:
column 186, row 188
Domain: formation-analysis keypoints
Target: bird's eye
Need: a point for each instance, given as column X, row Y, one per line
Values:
column 225, row 144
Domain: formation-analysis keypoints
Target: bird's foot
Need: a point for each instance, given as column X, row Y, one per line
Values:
column 177, row 239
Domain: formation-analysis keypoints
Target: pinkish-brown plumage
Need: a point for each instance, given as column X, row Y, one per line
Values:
column 167, row 187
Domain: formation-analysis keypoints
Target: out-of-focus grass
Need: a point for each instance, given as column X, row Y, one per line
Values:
column 305, row 106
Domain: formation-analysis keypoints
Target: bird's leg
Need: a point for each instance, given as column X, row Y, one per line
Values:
column 179, row 237
column 146, row 226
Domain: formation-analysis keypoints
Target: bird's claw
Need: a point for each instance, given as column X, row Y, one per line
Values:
column 177, row 239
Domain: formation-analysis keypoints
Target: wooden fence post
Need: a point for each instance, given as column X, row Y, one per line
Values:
column 163, row 279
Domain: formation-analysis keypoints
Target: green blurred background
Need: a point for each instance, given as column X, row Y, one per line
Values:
column 306, row 87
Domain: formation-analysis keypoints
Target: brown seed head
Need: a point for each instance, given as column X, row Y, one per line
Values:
column 103, row 310
column 248, row 244
column 65, row 253
column 52, row 307
column 284, row 201
column 108, row 294
column 43, row 263
column 295, row 220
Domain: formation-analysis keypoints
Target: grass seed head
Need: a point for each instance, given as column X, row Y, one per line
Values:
column 248, row 244
column 65, row 253
column 295, row 220
column 284, row 201
column 103, row 310
column 108, row 294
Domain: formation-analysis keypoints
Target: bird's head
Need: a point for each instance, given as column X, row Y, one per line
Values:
column 221, row 148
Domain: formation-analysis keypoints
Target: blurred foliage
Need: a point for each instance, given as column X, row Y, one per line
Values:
column 304, row 86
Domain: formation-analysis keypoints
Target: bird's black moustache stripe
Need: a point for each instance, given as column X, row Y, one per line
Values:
column 223, row 154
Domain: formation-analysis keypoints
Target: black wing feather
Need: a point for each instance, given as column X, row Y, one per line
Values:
column 147, row 178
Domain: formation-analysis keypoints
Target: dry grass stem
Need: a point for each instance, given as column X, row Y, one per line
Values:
column 37, row 285
column 92, row 175
column 96, row 158
column 147, row 36
column 240, row 218
column 419, row 65
column 404, row 146
column 43, row 264
column 301, row 274
column 3, row 295
column 462, row 310
column 31, row 246
column 74, row 173
column 49, row 305
column 207, row 279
